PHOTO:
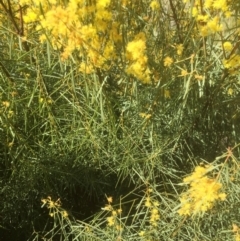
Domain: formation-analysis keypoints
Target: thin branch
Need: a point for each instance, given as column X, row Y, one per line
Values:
column 176, row 20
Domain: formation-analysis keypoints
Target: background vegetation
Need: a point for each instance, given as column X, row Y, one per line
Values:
column 119, row 120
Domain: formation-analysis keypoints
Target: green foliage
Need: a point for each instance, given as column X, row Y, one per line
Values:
column 86, row 122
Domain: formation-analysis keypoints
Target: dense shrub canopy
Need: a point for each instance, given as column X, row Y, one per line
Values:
column 129, row 104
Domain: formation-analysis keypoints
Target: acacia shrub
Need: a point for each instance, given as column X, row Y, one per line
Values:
column 141, row 90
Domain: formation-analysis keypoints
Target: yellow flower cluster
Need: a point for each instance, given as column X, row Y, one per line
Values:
column 202, row 194
column 54, row 207
column 210, row 23
column 236, row 232
column 33, row 14
column 137, row 58
column 212, row 26
column 232, row 64
column 113, row 219
column 227, row 46
column 154, row 212
column 91, row 31
column 154, row 5
column 179, row 49
column 86, row 29
column 5, row 107
column 145, row 115
column 167, row 62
